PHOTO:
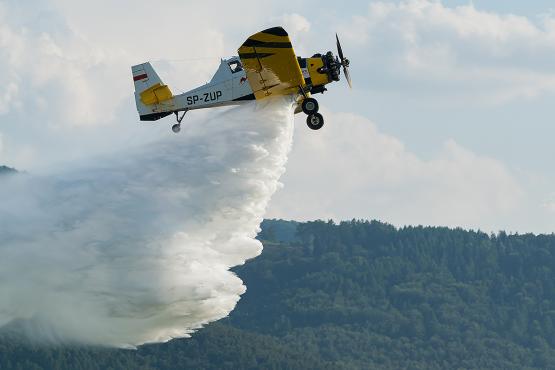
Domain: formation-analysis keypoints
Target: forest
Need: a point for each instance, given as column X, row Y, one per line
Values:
column 360, row 295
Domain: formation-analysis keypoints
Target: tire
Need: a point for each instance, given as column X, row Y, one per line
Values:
column 315, row 121
column 310, row 106
column 176, row 128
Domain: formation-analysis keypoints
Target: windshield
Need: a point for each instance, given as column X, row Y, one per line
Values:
column 235, row 66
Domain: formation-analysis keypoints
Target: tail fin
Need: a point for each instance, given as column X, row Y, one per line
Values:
column 154, row 100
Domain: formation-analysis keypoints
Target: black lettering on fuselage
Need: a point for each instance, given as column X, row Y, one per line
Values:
column 206, row 97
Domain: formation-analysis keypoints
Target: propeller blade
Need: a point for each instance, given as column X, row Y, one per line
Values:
column 348, row 77
column 344, row 62
column 339, row 50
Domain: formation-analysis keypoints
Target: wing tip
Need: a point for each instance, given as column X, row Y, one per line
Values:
column 276, row 31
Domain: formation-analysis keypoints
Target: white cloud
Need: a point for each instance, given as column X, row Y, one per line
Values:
column 449, row 52
column 67, row 65
column 69, row 62
column 66, row 69
column 349, row 169
column 51, row 73
column 8, row 97
column 295, row 23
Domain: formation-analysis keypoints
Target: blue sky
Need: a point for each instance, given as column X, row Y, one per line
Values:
column 449, row 122
column 526, row 8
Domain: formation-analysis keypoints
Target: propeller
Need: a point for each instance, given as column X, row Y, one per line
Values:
column 344, row 62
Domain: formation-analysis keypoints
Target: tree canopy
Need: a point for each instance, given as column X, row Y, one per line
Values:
column 362, row 295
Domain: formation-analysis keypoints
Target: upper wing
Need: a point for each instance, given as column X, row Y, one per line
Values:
column 270, row 64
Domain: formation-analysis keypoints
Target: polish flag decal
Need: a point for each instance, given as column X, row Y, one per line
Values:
column 140, row 77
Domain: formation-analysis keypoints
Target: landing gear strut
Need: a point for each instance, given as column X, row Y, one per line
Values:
column 177, row 127
column 315, row 121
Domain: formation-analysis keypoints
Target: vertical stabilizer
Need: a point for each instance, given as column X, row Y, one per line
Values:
column 154, row 100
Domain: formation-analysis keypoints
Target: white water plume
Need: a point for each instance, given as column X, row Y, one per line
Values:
column 137, row 248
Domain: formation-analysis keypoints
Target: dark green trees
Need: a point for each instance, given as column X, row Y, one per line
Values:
column 362, row 295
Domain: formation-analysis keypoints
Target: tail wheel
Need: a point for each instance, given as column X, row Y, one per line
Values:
column 315, row 121
column 310, row 106
column 176, row 128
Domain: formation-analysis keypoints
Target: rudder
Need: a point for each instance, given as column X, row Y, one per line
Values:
column 152, row 97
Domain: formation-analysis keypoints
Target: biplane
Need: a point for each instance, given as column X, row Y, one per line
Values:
column 266, row 66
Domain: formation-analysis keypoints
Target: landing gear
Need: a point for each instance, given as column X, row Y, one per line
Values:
column 309, row 106
column 177, row 127
column 315, row 121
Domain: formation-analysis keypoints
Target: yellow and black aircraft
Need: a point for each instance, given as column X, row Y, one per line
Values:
column 266, row 66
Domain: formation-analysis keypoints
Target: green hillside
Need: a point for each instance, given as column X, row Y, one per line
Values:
column 362, row 295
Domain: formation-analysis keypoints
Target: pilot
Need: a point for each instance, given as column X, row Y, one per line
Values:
column 235, row 66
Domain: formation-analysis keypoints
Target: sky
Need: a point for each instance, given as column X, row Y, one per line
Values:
column 449, row 122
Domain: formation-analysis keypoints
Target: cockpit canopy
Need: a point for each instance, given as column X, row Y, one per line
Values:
column 227, row 67
column 235, row 65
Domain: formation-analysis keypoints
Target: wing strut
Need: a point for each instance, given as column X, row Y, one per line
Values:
column 262, row 80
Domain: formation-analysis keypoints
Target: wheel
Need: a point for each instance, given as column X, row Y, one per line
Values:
column 176, row 128
column 315, row 121
column 310, row 106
